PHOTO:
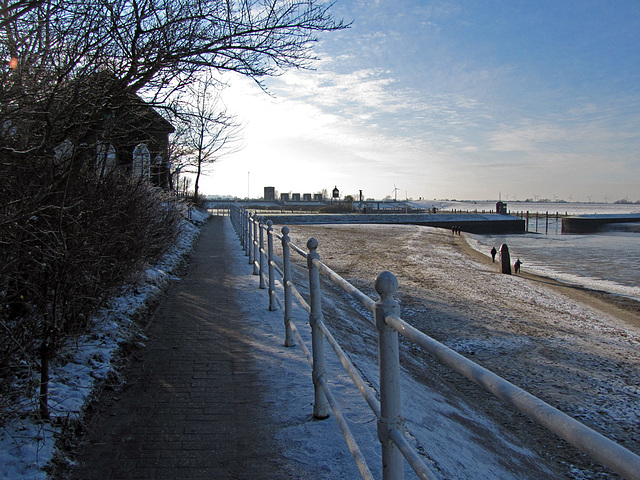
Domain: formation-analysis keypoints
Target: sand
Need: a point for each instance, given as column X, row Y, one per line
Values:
column 623, row 308
column 574, row 348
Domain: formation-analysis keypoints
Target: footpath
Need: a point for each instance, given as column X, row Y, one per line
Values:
column 191, row 407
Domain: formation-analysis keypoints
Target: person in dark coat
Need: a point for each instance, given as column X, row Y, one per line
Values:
column 516, row 265
column 493, row 254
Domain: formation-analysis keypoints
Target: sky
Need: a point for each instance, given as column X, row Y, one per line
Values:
column 458, row 99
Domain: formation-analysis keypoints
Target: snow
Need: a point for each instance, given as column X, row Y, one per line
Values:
column 459, row 439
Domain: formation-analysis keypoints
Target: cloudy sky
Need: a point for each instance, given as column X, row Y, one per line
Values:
column 458, row 99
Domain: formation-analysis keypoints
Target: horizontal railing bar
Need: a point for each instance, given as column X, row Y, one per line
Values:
column 413, row 458
column 346, row 432
column 346, row 286
column 277, row 269
column 275, row 296
column 303, row 346
column 599, row 447
column 298, row 250
column 364, row 389
column 300, row 298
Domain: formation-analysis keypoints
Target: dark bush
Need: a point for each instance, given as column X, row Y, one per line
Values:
column 68, row 239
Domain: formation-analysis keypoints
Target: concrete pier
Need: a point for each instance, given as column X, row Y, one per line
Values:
column 595, row 223
column 471, row 223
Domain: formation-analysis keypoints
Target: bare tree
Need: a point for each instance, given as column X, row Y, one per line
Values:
column 151, row 47
column 205, row 132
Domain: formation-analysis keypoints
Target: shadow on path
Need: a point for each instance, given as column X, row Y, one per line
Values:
column 191, row 407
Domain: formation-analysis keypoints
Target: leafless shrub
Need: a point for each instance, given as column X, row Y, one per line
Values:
column 67, row 243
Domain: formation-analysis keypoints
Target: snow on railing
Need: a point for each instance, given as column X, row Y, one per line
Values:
column 391, row 429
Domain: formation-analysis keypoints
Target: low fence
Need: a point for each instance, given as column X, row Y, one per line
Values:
column 219, row 209
column 257, row 238
column 529, row 217
column 533, row 220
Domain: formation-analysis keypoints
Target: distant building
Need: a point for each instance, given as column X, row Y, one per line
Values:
column 269, row 194
column 296, row 197
column 501, row 208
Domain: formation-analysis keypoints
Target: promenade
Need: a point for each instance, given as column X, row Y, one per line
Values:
column 191, row 407
column 215, row 394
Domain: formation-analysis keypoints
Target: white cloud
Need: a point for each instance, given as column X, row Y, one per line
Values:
column 525, row 138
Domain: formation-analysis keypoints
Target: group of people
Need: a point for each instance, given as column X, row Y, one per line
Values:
column 455, row 230
column 516, row 265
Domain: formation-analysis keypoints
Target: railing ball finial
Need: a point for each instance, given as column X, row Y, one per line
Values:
column 285, row 230
column 386, row 285
column 269, row 223
column 312, row 244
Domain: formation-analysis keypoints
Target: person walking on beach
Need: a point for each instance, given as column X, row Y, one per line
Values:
column 516, row 265
column 493, row 254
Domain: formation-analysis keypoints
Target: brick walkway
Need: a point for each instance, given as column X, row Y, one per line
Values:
column 191, row 407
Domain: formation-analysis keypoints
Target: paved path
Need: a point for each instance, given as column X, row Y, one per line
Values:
column 191, row 408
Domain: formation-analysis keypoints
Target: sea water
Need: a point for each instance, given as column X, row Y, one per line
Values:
column 607, row 260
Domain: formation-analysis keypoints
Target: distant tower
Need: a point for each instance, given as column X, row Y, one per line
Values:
column 269, row 194
column 336, row 193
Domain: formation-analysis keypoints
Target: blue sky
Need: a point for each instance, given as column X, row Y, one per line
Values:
column 453, row 99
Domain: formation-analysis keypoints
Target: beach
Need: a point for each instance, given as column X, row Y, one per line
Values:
column 618, row 306
column 575, row 348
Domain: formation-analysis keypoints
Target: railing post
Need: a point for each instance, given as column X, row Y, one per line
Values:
column 244, row 230
column 232, row 217
column 270, row 259
column 254, row 245
column 261, row 250
column 250, row 236
column 241, row 226
column 386, row 285
column 236, row 222
column 286, row 280
column 320, row 404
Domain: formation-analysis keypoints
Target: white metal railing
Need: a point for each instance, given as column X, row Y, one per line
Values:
column 387, row 321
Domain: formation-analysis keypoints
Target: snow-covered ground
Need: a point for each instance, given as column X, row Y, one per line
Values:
column 576, row 358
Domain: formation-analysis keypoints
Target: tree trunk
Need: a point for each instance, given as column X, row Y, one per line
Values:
column 44, row 381
column 195, row 188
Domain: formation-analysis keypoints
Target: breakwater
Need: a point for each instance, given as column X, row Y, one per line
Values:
column 471, row 223
column 595, row 223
